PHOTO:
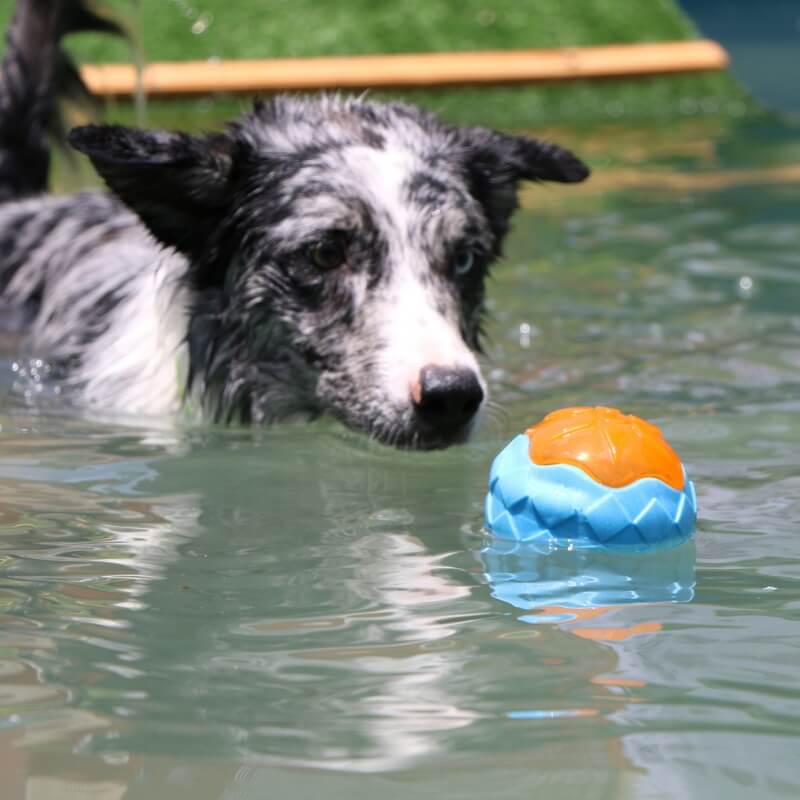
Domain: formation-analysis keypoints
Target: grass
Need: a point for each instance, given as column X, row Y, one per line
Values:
column 252, row 29
column 280, row 28
column 255, row 28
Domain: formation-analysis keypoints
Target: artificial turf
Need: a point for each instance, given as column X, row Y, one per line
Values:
column 202, row 29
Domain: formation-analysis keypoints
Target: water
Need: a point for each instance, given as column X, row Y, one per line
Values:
column 763, row 40
column 227, row 614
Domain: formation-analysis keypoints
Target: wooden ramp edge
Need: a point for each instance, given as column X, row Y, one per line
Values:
column 423, row 70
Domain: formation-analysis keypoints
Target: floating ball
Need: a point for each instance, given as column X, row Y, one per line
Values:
column 592, row 477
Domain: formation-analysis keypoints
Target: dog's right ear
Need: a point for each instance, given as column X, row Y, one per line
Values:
column 176, row 183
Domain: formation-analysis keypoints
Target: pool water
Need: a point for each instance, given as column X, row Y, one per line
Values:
column 227, row 614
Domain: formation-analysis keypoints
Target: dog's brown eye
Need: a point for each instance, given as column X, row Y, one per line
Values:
column 330, row 252
column 463, row 261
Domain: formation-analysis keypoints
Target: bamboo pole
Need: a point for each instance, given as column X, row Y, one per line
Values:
column 426, row 70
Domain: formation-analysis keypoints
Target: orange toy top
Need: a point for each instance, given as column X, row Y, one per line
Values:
column 613, row 448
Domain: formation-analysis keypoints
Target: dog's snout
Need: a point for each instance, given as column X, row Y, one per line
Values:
column 446, row 397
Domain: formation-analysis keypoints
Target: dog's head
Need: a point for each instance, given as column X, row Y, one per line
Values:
column 338, row 250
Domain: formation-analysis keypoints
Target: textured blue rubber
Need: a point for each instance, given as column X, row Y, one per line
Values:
column 560, row 504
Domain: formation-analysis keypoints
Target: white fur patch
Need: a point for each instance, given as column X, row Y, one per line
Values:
column 139, row 363
column 414, row 325
column 136, row 361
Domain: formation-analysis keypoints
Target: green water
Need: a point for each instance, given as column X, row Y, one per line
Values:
column 217, row 614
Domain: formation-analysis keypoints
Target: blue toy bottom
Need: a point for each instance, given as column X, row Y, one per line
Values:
column 560, row 505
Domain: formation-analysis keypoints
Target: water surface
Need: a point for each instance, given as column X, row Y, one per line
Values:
column 226, row 614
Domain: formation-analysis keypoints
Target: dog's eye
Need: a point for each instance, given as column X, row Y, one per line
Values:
column 330, row 252
column 463, row 261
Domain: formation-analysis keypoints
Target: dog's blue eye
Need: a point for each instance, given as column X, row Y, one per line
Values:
column 329, row 253
column 463, row 261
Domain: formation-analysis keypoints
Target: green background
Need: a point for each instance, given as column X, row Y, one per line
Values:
column 203, row 29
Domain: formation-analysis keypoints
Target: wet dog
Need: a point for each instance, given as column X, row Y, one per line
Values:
column 321, row 255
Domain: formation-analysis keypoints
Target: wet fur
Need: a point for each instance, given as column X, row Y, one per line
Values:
column 197, row 282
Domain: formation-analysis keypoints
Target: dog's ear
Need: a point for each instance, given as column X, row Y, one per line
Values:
column 521, row 157
column 176, row 183
column 497, row 162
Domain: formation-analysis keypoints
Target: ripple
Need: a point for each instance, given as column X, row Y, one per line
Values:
column 302, row 599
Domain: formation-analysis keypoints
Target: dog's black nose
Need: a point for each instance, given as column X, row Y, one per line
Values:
column 445, row 397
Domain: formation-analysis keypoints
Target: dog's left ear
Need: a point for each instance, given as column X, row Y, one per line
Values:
column 497, row 162
column 521, row 157
column 176, row 183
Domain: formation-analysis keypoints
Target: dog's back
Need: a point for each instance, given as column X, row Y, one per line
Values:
column 66, row 261
column 34, row 75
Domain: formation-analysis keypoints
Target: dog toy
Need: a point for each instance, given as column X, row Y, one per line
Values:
column 591, row 477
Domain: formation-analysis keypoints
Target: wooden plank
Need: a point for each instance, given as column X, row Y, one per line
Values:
column 410, row 70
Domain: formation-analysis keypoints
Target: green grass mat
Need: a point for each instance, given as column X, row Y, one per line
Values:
column 201, row 29
column 261, row 28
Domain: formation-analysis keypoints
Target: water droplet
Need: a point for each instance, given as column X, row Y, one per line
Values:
column 695, row 337
column 526, row 332
column 116, row 759
column 745, row 287
column 688, row 105
column 202, row 24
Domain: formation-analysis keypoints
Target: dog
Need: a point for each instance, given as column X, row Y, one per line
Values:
column 318, row 255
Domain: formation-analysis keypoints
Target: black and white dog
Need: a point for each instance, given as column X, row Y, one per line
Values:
column 317, row 255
